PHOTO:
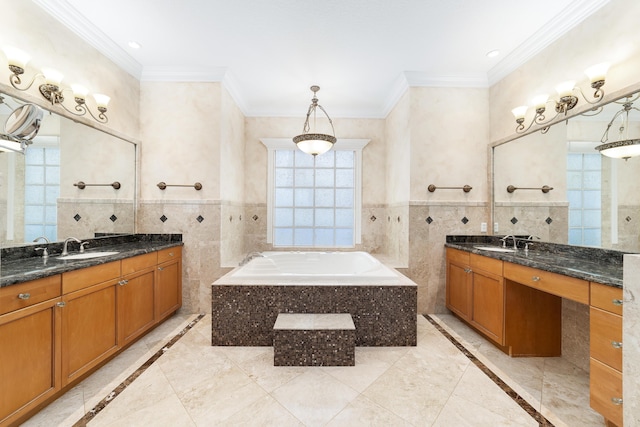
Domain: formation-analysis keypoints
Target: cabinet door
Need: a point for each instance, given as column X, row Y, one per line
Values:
column 135, row 305
column 606, row 391
column 488, row 305
column 29, row 358
column 88, row 329
column 168, row 289
column 459, row 289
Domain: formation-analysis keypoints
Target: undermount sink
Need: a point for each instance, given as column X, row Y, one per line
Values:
column 495, row 249
column 86, row 255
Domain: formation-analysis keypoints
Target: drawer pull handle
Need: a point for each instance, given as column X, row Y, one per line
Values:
column 616, row 301
column 616, row 344
column 616, row 400
column 535, row 278
column 61, row 304
column 24, row 296
column 123, row 282
column 170, row 253
column 161, row 268
column 467, row 270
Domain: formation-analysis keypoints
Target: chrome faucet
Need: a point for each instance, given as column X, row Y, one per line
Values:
column 249, row 257
column 528, row 242
column 505, row 238
column 65, row 252
column 41, row 238
column 45, row 251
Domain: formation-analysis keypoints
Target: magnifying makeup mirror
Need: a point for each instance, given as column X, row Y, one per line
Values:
column 21, row 126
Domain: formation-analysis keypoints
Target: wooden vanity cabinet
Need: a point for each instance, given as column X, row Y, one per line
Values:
column 475, row 292
column 136, row 297
column 168, row 288
column 30, row 347
column 605, row 342
column 89, row 334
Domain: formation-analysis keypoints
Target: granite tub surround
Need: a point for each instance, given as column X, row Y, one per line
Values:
column 593, row 264
column 22, row 263
column 314, row 340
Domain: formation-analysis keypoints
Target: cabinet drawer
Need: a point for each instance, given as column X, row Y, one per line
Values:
column 85, row 277
column 169, row 254
column 25, row 294
column 556, row 284
column 490, row 265
column 460, row 257
column 605, row 339
column 140, row 262
column 605, row 386
column 606, row 297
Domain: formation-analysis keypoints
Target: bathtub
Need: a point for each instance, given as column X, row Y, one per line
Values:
column 338, row 267
column 246, row 301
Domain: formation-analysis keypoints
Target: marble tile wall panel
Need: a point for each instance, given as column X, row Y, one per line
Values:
column 245, row 315
column 232, row 232
column 631, row 339
column 628, row 229
column 85, row 217
column 575, row 333
column 549, row 222
column 201, row 252
column 428, row 227
column 397, row 220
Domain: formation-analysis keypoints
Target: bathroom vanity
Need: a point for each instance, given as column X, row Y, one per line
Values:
column 61, row 320
column 514, row 298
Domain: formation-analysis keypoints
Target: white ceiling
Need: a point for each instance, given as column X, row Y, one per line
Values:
column 362, row 53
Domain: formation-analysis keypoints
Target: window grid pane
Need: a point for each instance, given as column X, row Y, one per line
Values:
column 320, row 213
column 584, row 196
column 42, row 192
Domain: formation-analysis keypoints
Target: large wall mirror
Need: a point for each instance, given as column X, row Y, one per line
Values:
column 41, row 191
column 591, row 200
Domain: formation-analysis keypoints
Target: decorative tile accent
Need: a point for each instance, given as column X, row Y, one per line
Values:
column 77, row 217
column 548, row 220
column 514, row 220
column 230, row 218
column 113, row 218
column 200, row 218
column 628, row 219
column 240, row 218
column 398, row 219
column 429, row 220
column 255, row 217
column 163, row 218
column 373, row 218
column 465, row 220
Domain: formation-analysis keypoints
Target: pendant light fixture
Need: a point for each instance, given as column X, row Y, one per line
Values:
column 625, row 147
column 311, row 142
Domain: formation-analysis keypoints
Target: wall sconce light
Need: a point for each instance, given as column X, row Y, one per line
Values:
column 315, row 143
column 566, row 101
column 51, row 88
column 625, row 147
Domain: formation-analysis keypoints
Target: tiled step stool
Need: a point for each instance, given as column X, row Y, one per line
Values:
column 311, row 339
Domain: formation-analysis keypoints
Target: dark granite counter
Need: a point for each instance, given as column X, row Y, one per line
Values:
column 22, row 264
column 596, row 265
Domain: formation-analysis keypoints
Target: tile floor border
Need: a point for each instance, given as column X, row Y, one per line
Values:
column 533, row 412
column 131, row 378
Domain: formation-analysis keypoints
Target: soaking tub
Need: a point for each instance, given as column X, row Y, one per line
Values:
column 247, row 300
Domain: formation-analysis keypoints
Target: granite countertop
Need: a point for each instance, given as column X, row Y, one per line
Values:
column 15, row 269
column 596, row 265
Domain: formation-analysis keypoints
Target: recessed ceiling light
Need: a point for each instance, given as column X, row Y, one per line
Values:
column 134, row 44
column 493, row 53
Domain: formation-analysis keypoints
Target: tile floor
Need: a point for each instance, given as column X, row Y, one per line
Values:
column 432, row 384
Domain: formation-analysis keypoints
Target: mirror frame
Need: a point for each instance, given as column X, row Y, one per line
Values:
column 578, row 110
column 46, row 106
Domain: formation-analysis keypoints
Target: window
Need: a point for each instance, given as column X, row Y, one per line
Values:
column 314, row 201
column 584, row 194
column 42, row 189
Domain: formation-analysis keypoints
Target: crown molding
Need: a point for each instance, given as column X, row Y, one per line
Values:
column 398, row 88
column 571, row 16
column 76, row 22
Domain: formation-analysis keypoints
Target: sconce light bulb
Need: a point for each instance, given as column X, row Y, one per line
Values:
column 79, row 91
column 598, row 72
column 16, row 57
column 540, row 101
column 52, row 77
column 519, row 112
column 565, row 88
column 101, row 100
